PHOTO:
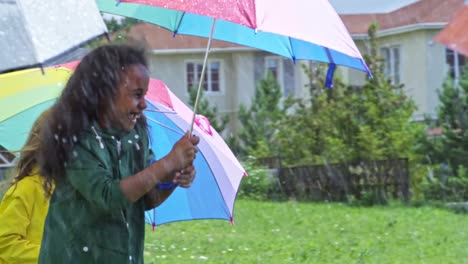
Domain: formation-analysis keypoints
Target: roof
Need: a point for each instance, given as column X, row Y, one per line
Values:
column 455, row 34
column 368, row 6
column 157, row 38
column 417, row 13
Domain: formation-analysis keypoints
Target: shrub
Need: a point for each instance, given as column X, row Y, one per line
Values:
column 454, row 189
column 260, row 184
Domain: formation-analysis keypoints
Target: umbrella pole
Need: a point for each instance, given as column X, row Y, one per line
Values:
column 200, row 82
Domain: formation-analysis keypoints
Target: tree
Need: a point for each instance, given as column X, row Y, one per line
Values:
column 384, row 112
column 117, row 31
column 218, row 122
column 349, row 123
column 260, row 121
column 452, row 116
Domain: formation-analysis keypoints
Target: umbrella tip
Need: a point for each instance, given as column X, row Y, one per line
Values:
column 231, row 220
column 245, row 174
column 153, row 225
column 118, row 3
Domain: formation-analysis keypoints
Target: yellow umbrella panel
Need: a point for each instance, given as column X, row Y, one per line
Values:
column 24, row 95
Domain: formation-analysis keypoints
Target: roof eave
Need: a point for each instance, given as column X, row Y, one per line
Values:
column 200, row 50
column 402, row 29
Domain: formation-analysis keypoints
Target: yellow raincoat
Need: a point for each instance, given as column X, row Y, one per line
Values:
column 22, row 215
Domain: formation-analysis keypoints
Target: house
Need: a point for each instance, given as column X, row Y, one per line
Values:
column 407, row 29
column 406, row 38
column 231, row 75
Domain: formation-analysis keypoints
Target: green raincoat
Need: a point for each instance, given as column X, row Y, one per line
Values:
column 90, row 220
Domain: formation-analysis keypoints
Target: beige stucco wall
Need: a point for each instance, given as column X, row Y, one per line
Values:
column 423, row 67
column 237, row 78
column 437, row 70
column 422, row 64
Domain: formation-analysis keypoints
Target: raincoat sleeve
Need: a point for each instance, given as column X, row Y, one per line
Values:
column 89, row 175
column 15, row 217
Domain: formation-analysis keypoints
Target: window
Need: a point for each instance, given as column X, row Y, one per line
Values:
column 275, row 66
column 212, row 80
column 450, row 59
column 392, row 70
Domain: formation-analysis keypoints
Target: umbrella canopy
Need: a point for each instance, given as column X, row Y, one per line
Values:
column 25, row 94
column 219, row 172
column 296, row 29
column 455, row 33
column 32, row 32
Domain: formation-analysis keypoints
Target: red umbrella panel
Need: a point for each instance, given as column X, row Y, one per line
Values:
column 455, row 33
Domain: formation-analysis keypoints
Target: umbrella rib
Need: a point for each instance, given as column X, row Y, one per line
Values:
column 159, row 111
column 27, row 30
column 163, row 125
column 293, row 55
column 178, row 24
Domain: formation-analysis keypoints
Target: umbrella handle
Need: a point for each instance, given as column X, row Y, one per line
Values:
column 200, row 82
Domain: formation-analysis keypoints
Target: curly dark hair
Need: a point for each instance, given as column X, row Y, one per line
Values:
column 88, row 97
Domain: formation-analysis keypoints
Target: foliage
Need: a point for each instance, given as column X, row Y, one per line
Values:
column 452, row 114
column 291, row 232
column 447, row 187
column 256, row 185
column 4, row 185
column 349, row 123
column 117, row 31
column 211, row 112
column 6, row 177
column 451, row 147
column 260, row 120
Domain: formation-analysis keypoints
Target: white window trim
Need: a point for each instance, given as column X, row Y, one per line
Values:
column 392, row 63
column 280, row 71
column 452, row 67
column 221, row 76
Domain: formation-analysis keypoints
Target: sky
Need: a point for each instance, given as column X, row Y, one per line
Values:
column 368, row 6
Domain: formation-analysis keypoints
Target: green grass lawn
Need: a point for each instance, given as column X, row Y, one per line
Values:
column 266, row 232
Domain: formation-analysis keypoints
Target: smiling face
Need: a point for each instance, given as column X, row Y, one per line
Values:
column 130, row 101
